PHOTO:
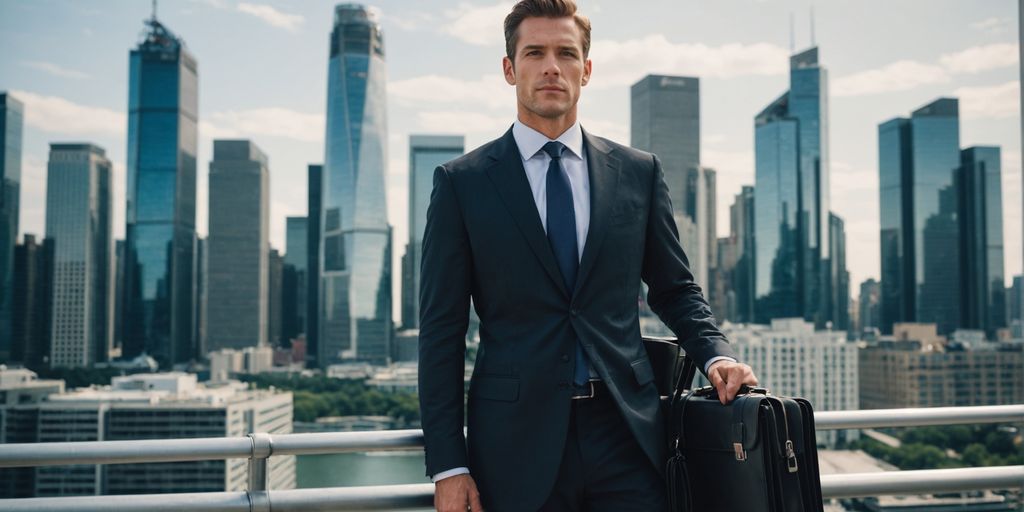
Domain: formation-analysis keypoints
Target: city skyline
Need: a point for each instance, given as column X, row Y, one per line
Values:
column 867, row 87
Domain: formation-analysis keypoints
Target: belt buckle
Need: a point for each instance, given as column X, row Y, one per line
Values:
column 590, row 383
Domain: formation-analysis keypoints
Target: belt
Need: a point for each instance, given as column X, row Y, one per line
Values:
column 592, row 389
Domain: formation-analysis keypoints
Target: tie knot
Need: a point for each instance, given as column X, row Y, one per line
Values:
column 554, row 149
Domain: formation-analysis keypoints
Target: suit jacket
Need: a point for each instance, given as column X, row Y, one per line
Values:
column 484, row 239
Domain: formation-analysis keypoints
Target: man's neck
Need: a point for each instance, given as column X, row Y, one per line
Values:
column 550, row 127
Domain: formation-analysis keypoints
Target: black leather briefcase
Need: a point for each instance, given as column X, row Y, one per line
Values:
column 757, row 454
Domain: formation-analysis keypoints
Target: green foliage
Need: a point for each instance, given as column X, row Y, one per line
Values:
column 925, row 447
column 318, row 397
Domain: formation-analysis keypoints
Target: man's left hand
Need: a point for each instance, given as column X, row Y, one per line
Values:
column 727, row 377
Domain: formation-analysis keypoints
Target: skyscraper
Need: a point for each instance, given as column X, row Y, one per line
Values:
column 741, row 229
column 426, row 152
column 917, row 163
column 238, row 246
column 294, row 278
column 839, row 291
column 355, row 307
column 870, row 306
column 30, row 343
column 665, row 120
column 161, row 198
column 792, row 169
column 275, row 271
column 313, row 214
column 11, row 119
column 78, row 224
column 983, row 301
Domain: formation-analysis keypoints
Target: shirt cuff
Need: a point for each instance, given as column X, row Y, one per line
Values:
column 714, row 360
column 451, row 472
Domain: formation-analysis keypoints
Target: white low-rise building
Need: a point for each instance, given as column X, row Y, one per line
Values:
column 154, row 406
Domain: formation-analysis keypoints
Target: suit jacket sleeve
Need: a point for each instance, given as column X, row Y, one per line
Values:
column 445, row 280
column 672, row 293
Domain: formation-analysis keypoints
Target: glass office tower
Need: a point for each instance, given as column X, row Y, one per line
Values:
column 355, row 308
column 426, row 152
column 793, row 274
column 313, row 266
column 918, row 160
column 11, row 120
column 78, row 224
column 983, row 298
column 161, row 199
column 294, row 278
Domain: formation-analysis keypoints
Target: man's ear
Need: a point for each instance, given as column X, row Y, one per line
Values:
column 587, row 68
column 509, row 69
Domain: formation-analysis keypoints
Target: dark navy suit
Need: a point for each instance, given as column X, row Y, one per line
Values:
column 484, row 239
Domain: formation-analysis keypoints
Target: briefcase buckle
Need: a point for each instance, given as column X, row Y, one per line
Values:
column 791, row 462
column 741, row 454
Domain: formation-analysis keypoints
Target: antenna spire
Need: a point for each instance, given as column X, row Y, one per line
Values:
column 813, row 42
column 154, row 10
column 793, row 37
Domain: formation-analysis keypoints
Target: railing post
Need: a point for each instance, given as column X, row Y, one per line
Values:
column 262, row 447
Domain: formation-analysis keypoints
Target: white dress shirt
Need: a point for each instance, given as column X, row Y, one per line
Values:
column 574, row 161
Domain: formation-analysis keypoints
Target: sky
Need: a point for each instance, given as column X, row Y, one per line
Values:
column 263, row 76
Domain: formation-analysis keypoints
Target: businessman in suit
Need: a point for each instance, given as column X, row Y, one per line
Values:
column 550, row 230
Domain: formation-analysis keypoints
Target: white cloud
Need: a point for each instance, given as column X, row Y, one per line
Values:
column 990, row 102
column 981, row 58
column 269, row 121
column 409, row 20
column 907, row 74
column 478, row 25
column 58, row 115
column 992, row 25
column 489, row 91
column 55, row 70
column 897, row 76
column 272, row 16
column 618, row 63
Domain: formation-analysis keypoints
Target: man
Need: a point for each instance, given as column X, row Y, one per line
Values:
column 550, row 230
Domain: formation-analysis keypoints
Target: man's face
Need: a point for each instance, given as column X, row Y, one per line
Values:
column 549, row 66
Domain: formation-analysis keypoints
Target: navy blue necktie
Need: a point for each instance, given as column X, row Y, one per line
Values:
column 561, row 222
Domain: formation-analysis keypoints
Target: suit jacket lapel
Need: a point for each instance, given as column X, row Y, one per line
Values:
column 603, row 169
column 509, row 178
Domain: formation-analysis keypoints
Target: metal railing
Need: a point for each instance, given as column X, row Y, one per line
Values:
column 259, row 447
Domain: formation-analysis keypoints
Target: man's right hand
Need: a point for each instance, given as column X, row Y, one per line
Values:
column 457, row 494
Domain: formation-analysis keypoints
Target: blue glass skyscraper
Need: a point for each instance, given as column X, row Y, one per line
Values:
column 917, row 162
column 792, row 273
column 11, row 119
column 313, row 214
column 983, row 300
column 355, row 307
column 161, row 194
column 426, row 152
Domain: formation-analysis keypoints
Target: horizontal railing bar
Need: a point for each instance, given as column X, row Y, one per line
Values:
column 192, row 502
column 342, row 442
column 924, row 481
column 124, row 452
column 177, row 450
column 918, row 417
column 418, row 496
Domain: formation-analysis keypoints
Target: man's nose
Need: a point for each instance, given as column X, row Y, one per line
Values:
column 551, row 66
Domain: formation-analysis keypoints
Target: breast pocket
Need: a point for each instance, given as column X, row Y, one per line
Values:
column 626, row 214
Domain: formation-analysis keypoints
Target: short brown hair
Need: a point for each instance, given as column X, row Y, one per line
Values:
column 543, row 9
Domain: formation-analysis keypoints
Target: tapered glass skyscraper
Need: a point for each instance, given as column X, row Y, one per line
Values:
column 793, row 277
column 355, row 306
column 161, row 194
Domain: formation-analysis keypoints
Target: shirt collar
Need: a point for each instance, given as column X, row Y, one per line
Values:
column 531, row 141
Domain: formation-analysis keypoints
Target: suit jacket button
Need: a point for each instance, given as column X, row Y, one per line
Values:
column 574, row 312
column 565, row 358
